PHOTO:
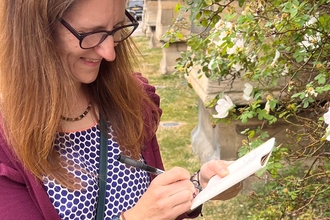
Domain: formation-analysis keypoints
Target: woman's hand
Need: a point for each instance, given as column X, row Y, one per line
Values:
column 168, row 196
column 218, row 167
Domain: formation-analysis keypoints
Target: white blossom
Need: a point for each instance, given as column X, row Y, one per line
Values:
column 285, row 70
column 238, row 46
column 210, row 64
column 252, row 58
column 327, row 133
column 326, row 117
column 267, row 106
column 306, row 43
column 247, row 91
column 312, row 92
column 223, row 106
column 240, row 43
column 232, row 50
column 220, row 25
column 311, row 41
column 277, row 55
column 237, row 66
column 218, row 40
column 229, row 25
column 313, row 20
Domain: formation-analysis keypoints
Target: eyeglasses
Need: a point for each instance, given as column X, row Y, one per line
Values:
column 95, row 38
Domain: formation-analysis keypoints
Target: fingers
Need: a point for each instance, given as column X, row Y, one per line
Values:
column 220, row 167
column 181, row 187
column 173, row 175
column 168, row 196
column 174, row 181
column 181, row 201
column 212, row 168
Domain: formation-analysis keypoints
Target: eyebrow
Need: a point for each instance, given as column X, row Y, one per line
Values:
column 100, row 28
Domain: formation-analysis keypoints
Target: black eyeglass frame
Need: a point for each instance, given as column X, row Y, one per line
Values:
column 81, row 37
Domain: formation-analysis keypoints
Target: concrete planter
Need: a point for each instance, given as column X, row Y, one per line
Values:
column 223, row 140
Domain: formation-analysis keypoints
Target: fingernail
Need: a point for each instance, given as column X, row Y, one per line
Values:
column 224, row 171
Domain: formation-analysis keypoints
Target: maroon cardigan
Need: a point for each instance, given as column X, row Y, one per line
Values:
column 22, row 196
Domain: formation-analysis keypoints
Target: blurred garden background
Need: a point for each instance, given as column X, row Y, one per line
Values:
column 179, row 105
column 242, row 72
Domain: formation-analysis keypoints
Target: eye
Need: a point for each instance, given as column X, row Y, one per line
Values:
column 84, row 32
column 119, row 24
column 91, row 30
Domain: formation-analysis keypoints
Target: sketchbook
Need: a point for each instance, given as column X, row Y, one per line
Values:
column 238, row 171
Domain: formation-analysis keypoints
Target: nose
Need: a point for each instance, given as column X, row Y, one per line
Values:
column 107, row 49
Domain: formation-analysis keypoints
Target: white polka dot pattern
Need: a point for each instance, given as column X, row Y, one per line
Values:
column 125, row 185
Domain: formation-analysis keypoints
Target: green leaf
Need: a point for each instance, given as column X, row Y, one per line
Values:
column 241, row 2
column 298, row 55
column 272, row 103
column 208, row 2
column 198, row 15
column 179, row 35
column 166, row 45
column 293, row 12
column 321, row 79
column 251, row 134
column 305, row 103
column 250, row 17
column 177, row 7
column 241, row 19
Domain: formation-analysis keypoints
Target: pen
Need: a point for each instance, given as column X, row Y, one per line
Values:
column 139, row 164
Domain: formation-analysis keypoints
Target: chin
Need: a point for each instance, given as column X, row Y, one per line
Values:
column 87, row 78
column 88, row 81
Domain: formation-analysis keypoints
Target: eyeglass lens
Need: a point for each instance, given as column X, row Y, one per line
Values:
column 95, row 39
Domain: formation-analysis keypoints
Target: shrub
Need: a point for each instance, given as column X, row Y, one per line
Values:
column 282, row 47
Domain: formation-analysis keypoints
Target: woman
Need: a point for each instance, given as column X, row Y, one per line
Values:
column 66, row 80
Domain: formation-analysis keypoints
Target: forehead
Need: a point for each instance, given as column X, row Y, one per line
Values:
column 96, row 10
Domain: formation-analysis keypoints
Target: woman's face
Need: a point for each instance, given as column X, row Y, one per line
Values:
column 86, row 16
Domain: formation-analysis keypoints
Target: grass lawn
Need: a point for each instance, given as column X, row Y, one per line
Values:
column 179, row 104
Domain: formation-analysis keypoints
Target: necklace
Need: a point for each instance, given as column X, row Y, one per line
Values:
column 80, row 116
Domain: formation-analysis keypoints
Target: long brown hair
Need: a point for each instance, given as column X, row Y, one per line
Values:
column 34, row 86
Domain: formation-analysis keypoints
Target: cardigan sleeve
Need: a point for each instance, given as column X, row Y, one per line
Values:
column 21, row 195
column 15, row 202
column 150, row 151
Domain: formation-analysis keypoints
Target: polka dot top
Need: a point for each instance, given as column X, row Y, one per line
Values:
column 80, row 150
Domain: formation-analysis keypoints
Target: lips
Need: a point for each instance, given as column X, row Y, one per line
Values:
column 91, row 60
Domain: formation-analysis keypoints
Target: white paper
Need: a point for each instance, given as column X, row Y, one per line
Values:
column 238, row 171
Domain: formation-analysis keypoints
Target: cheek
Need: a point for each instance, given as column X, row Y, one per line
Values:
column 65, row 41
column 69, row 51
column 68, row 48
column 68, row 45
